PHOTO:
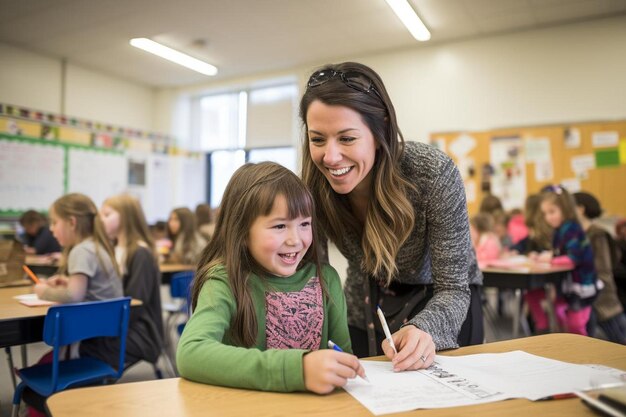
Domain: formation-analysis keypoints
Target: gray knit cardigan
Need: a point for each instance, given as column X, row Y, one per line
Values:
column 438, row 251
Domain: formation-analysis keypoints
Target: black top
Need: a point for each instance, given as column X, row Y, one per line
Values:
column 43, row 241
column 145, row 329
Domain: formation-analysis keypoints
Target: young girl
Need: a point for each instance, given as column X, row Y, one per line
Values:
column 88, row 270
column 570, row 248
column 126, row 226
column 188, row 243
column 486, row 243
column 263, row 308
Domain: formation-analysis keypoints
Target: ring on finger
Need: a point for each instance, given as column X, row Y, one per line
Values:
column 423, row 358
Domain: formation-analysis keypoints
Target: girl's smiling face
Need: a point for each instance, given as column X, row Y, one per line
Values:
column 278, row 243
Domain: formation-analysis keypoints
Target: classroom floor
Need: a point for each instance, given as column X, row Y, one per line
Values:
column 499, row 328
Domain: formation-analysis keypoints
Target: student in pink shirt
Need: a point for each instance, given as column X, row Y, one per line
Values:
column 486, row 243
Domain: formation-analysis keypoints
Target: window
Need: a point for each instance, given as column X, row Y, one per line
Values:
column 251, row 125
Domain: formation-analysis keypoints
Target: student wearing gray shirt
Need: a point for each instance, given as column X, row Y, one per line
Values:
column 397, row 212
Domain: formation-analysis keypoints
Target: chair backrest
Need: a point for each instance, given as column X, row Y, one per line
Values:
column 69, row 323
column 180, row 285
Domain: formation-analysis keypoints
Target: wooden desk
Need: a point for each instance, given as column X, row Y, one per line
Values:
column 20, row 324
column 179, row 397
column 42, row 265
column 535, row 276
column 167, row 270
column 531, row 278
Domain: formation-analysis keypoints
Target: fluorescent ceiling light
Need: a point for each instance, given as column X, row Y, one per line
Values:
column 411, row 20
column 173, row 55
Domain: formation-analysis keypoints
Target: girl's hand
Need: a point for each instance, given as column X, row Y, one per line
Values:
column 40, row 288
column 545, row 256
column 416, row 349
column 57, row 281
column 327, row 369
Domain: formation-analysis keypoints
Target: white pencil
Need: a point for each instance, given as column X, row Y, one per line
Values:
column 383, row 323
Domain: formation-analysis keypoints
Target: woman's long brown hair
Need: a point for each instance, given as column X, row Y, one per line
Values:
column 390, row 215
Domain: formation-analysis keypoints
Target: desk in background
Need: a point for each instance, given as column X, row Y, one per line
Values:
column 167, row 270
column 179, row 397
column 518, row 279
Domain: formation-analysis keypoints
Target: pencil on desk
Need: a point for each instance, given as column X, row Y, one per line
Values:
column 31, row 274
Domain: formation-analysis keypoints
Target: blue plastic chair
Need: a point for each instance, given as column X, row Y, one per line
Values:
column 67, row 324
column 180, row 290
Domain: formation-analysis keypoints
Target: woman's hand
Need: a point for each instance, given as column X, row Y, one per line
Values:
column 326, row 369
column 416, row 349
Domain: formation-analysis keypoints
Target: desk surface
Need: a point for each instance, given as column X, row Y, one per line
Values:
column 171, row 268
column 528, row 270
column 11, row 309
column 182, row 398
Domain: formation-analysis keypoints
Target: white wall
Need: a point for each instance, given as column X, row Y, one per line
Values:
column 95, row 96
column 553, row 75
column 35, row 81
column 29, row 80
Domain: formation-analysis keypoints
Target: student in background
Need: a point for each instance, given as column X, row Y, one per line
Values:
column 486, row 243
column 88, row 270
column 539, row 237
column 204, row 216
column 126, row 226
column 607, row 309
column 182, row 230
column 261, row 300
column 570, row 248
column 516, row 227
column 492, row 205
column 162, row 242
column 38, row 238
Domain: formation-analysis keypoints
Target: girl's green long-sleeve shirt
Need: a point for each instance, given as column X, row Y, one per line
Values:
column 207, row 354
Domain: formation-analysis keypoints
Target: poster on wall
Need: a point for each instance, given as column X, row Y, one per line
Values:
column 509, row 177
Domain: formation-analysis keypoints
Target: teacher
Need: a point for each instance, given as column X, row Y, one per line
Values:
column 397, row 212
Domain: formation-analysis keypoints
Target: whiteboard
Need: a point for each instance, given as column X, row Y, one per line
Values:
column 96, row 173
column 31, row 175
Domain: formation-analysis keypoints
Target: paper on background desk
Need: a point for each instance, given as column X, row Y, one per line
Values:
column 475, row 379
column 31, row 300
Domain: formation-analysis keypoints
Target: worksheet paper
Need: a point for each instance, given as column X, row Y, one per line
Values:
column 474, row 379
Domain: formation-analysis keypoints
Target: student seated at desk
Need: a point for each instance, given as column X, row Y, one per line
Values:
column 485, row 242
column 264, row 308
column 88, row 270
column 126, row 226
column 188, row 242
column 570, row 248
column 38, row 239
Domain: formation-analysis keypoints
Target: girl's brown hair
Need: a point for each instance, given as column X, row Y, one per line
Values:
column 538, row 229
column 133, row 224
column 187, row 231
column 390, row 214
column 250, row 193
column 483, row 222
column 559, row 196
column 88, row 225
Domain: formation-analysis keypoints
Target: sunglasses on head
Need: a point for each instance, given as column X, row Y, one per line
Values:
column 352, row 79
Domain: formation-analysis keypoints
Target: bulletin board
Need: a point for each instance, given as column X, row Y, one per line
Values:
column 581, row 156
